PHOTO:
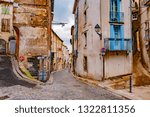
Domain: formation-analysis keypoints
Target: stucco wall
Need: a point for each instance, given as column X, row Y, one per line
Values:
column 94, row 44
column 121, row 63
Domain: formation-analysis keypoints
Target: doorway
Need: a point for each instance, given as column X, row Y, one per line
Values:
column 2, row 47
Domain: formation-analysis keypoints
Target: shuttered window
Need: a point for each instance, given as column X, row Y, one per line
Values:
column 147, row 30
column 5, row 25
column 5, row 10
column 85, row 64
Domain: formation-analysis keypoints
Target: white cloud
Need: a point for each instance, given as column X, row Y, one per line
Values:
column 65, row 16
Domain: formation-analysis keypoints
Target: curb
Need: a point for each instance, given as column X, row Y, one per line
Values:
column 20, row 75
column 51, row 79
column 113, row 91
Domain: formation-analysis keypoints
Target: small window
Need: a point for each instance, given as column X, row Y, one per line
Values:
column 147, row 30
column 5, row 25
column 85, row 16
column 85, row 3
column 85, row 37
column 85, row 64
column 5, row 10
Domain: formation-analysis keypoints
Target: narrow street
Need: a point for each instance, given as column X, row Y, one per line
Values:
column 64, row 87
column 7, row 77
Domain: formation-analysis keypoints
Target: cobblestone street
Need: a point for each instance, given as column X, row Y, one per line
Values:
column 64, row 87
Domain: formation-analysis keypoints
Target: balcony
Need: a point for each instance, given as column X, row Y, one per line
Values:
column 112, row 44
column 116, row 17
column 146, row 2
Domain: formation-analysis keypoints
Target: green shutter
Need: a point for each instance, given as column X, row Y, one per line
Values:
column 5, row 10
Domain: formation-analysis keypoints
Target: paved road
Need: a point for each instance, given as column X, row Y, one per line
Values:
column 64, row 87
column 7, row 77
column 71, row 88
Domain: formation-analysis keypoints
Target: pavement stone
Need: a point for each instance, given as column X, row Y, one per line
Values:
column 63, row 87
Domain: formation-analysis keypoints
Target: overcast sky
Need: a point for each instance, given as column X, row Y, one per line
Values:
column 63, row 13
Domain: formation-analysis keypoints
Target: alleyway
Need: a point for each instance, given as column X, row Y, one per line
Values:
column 7, row 77
column 63, row 87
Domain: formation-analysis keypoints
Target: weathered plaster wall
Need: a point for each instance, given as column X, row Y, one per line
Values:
column 6, row 35
column 145, row 16
column 57, row 45
column 121, row 64
column 92, row 50
column 31, row 18
column 114, row 65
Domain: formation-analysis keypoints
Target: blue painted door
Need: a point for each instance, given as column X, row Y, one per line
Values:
column 12, row 46
column 117, row 36
column 115, row 10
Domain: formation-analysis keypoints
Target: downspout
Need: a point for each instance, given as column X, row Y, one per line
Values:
column 49, row 36
column 102, row 45
column 131, row 32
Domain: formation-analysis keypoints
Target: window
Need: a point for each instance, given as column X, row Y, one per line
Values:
column 117, row 35
column 85, row 37
column 85, row 3
column 5, row 10
column 117, row 31
column 147, row 30
column 5, row 25
column 85, row 16
column 114, row 7
column 85, row 64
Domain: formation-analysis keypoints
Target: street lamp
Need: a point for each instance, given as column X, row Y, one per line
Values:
column 98, row 30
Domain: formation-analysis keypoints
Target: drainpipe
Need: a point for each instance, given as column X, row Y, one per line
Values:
column 103, row 56
column 132, row 45
column 131, row 26
column 49, row 36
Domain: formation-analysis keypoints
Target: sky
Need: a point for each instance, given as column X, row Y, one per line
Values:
column 63, row 13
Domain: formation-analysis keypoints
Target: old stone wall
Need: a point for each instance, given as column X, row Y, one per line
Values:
column 31, row 18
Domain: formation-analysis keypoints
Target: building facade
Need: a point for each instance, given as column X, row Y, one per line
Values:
column 57, row 52
column 65, row 56
column 141, row 29
column 32, row 25
column 145, row 32
column 6, row 26
column 103, row 41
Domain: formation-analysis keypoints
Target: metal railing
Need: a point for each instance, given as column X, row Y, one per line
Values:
column 112, row 44
column 116, row 16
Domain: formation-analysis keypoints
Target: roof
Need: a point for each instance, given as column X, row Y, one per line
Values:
column 57, row 35
column 6, row 1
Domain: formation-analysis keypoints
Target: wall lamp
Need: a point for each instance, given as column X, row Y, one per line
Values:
column 98, row 30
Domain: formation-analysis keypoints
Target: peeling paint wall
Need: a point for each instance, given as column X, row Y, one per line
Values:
column 9, row 6
column 31, row 18
column 145, row 17
column 57, row 45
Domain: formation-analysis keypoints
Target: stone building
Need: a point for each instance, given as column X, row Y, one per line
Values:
column 32, row 24
column 141, row 29
column 6, row 27
column 57, row 52
column 103, row 41
column 145, row 32
column 65, row 56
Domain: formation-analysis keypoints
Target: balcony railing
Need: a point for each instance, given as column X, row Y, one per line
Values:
column 116, row 17
column 112, row 44
column 146, row 2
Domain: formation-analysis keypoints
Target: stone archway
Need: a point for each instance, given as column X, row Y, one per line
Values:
column 2, row 46
column 17, row 40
